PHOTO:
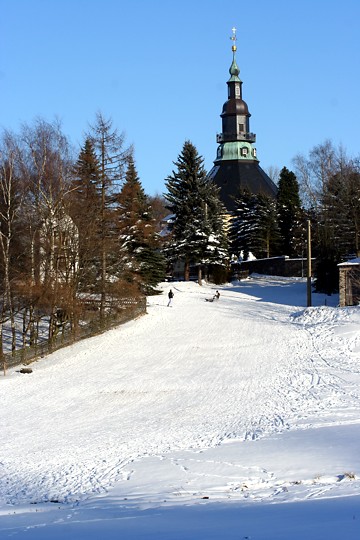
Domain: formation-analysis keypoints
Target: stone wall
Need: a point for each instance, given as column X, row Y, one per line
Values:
column 349, row 285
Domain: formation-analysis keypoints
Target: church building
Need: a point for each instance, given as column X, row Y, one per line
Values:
column 236, row 167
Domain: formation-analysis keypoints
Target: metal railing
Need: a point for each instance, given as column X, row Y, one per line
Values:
column 229, row 137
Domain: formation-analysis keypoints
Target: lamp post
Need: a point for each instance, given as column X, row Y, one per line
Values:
column 308, row 263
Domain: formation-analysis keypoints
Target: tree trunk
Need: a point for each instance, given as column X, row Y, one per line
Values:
column 268, row 246
column 13, row 332
column 187, row 271
column 36, row 333
column 5, row 244
column 199, row 274
column 2, row 355
column 52, row 331
column 32, row 326
column 103, row 234
column 24, row 328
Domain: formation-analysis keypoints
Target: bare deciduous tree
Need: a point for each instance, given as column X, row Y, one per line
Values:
column 8, row 209
column 45, row 167
column 112, row 157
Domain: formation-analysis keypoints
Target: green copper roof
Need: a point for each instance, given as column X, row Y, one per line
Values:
column 234, row 71
column 243, row 151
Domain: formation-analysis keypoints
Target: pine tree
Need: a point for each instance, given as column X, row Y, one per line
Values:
column 267, row 235
column 243, row 226
column 254, row 227
column 158, row 209
column 193, row 201
column 112, row 157
column 140, row 256
column 216, row 252
column 340, row 210
column 290, row 216
column 337, row 223
column 85, row 201
column 87, row 173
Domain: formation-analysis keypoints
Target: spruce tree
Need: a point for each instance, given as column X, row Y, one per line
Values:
column 267, row 235
column 213, row 250
column 87, row 174
column 254, row 227
column 289, row 214
column 85, row 202
column 197, row 225
column 335, row 233
column 139, row 254
column 243, row 226
column 340, row 210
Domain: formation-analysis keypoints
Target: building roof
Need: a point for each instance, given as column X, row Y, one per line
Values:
column 351, row 262
column 236, row 167
column 235, row 176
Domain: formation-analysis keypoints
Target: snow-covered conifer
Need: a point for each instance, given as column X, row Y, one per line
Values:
column 198, row 234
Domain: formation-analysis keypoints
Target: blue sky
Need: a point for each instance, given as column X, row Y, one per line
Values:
column 159, row 68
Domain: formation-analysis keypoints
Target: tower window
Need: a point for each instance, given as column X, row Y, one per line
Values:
column 244, row 151
column 241, row 128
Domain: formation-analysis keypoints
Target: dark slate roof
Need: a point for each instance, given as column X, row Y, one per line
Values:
column 232, row 177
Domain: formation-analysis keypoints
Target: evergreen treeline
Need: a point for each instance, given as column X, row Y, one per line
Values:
column 81, row 229
column 326, row 191
column 198, row 233
column 330, row 187
column 267, row 227
column 73, row 232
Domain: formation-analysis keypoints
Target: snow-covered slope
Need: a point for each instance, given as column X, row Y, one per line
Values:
column 143, row 412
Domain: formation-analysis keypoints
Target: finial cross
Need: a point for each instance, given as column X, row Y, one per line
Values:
column 233, row 37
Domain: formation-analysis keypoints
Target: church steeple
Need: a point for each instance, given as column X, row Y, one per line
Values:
column 235, row 118
column 236, row 166
column 234, row 70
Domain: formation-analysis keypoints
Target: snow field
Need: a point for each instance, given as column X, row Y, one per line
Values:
column 250, row 399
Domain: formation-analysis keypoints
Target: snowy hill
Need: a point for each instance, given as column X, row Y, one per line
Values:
column 193, row 418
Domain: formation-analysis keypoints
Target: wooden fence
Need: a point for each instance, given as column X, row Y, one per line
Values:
column 127, row 309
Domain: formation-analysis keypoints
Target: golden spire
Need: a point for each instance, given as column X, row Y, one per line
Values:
column 233, row 39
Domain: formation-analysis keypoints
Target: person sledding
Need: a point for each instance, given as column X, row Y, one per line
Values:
column 215, row 297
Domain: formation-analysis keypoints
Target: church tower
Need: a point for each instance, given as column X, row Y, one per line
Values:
column 236, row 166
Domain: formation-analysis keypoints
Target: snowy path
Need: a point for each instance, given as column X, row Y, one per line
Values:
column 183, row 378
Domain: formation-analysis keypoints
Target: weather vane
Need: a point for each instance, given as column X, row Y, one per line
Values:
column 233, row 39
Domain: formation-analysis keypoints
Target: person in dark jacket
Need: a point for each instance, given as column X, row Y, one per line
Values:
column 170, row 296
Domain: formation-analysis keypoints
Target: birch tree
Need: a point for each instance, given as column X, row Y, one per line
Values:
column 45, row 164
column 9, row 204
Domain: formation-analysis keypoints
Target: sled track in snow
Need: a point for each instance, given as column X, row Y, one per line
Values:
column 185, row 377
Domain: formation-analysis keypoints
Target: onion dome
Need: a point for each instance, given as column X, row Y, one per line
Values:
column 235, row 106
